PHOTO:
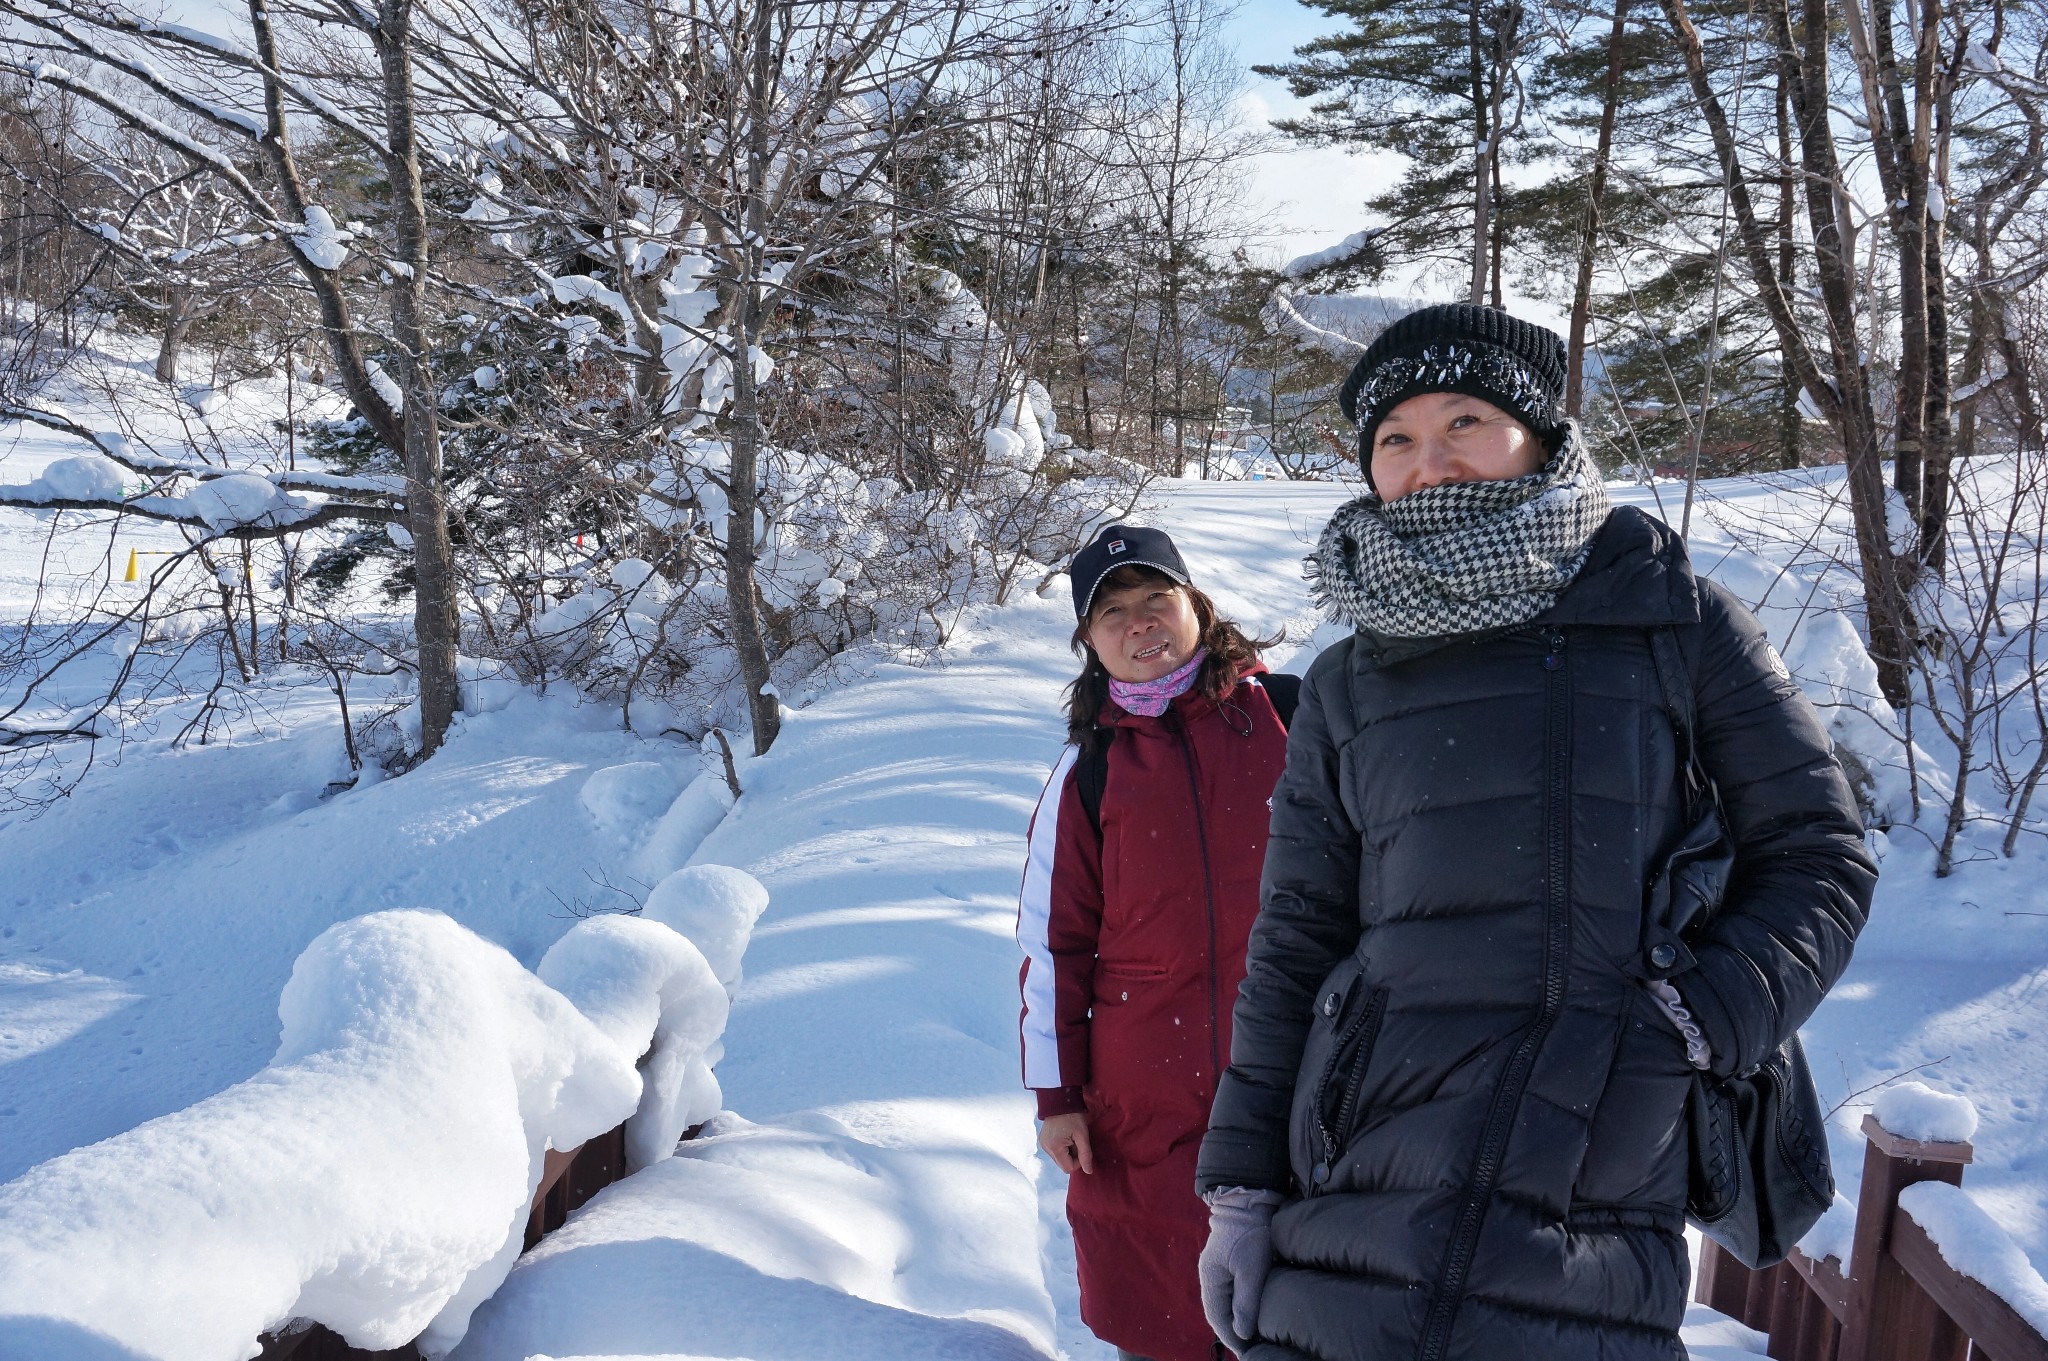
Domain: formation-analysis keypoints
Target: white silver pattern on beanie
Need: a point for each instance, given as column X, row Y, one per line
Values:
column 1465, row 557
column 1443, row 367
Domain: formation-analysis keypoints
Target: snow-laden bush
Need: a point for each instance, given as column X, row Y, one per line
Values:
column 376, row 1177
column 589, row 467
column 1961, row 764
column 80, row 478
column 846, row 559
column 1821, row 649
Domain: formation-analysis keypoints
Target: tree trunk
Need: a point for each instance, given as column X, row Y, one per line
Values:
column 436, row 621
column 1589, row 229
column 1791, row 421
column 337, row 320
column 742, row 553
column 1843, row 396
column 1482, row 158
column 1883, row 580
column 1993, row 341
column 1939, row 446
column 1906, row 196
column 1081, row 373
column 1497, row 245
column 178, row 318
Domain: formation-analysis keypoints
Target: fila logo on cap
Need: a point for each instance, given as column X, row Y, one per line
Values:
column 1116, row 546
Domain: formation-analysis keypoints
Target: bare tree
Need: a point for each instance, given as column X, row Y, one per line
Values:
column 251, row 98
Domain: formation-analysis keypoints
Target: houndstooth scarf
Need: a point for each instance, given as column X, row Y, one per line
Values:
column 1465, row 557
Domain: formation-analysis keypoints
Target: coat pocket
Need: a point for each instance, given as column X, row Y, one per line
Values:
column 1332, row 1071
column 1147, row 1050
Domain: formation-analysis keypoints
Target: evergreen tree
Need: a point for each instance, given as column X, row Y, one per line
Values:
column 1442, row 82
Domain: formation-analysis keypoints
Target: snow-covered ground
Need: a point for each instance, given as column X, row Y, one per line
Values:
column 873, row 1189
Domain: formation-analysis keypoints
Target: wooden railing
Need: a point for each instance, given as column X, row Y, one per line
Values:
column 1900, row 1301
column 568, row 1179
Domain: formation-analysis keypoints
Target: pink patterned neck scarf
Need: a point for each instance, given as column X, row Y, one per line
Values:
column 1151, row 697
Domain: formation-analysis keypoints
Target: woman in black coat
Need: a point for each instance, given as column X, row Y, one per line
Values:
column 1452, row 1123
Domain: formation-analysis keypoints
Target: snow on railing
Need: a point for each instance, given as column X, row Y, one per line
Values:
column 379, row 1176
column 1929, row 1275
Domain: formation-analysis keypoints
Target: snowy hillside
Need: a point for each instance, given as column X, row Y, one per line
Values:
column 873, row 1179
column 1358, row 315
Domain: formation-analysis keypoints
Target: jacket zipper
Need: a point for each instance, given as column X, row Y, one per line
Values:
column 1375, row 1006
column 1187, row 752
column 1364, row 1029
column 1507, row 1098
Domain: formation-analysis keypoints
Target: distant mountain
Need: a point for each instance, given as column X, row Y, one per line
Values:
column 1358, row 315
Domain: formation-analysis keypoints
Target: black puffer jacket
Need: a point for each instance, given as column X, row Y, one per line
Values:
column 1442, row 1050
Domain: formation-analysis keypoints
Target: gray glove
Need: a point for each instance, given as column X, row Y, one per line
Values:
column 1235, row 1260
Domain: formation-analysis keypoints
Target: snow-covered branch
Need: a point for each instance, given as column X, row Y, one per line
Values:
column 123, row 108
column 201, row 514
column 1284, row 318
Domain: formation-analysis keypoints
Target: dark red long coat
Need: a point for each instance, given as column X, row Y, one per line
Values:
column 1134, row 944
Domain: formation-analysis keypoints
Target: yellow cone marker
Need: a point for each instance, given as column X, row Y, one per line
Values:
column 132, row 576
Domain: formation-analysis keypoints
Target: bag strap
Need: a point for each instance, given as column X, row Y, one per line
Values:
column 1091, row 773
column 1285, row 693
column 1675, row 679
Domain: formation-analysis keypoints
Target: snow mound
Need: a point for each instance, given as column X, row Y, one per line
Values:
column 324, row 245
column 784, row 1244
column 624, row 799
column 85, row 477
column 487, row 686
column 1302, row 266
column 651, row 992
column 1004, row 446
column 629, row 573
column 1709, row 1336
column 205, row 400
column 1833, row 1234
column 1914, row 1110
column 715, row 906
column 236, row 499
column 1823, row 653
column 682, row 829
column 376, row 1176
column 1974, row 1244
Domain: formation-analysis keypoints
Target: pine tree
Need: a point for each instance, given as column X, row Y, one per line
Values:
column 1441, row 82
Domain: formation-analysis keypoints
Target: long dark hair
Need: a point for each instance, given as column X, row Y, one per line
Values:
column 1230, row 652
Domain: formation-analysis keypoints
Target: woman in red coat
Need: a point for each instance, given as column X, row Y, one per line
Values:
column 1139, row 892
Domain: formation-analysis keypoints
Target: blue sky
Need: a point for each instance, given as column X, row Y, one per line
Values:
column 1309, row 198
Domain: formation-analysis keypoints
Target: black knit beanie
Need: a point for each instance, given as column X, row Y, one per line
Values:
column 1459, row 347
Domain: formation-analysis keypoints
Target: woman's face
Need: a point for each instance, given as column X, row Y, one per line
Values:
column 1143, row 632
column 1436, row 438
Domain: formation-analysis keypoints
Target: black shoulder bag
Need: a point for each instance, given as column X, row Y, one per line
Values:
column 1758, row 1174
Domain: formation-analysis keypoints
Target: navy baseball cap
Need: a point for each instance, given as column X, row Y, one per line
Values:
column 1121, row 546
